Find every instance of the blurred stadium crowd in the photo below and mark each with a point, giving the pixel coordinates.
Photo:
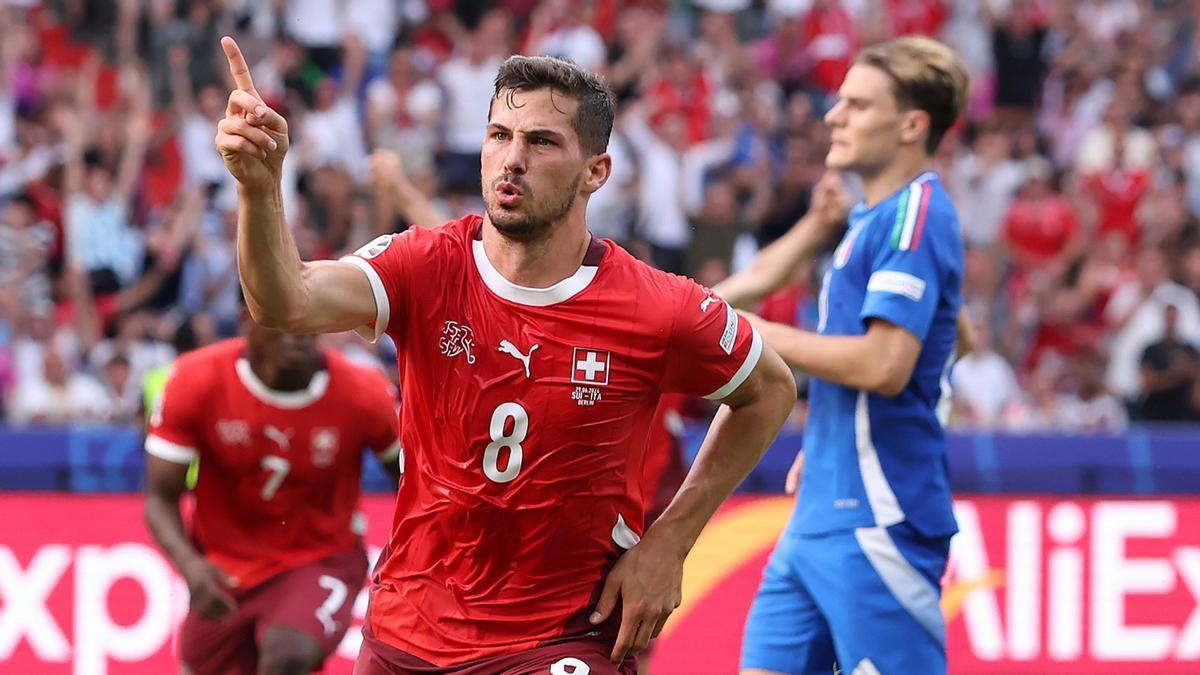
(1076, 173)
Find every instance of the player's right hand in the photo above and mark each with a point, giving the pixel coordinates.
(385, 170)
(831, 203)
(209, 590)
(252, 138)
(794, 474)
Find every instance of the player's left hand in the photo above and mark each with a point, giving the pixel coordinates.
(648, 579)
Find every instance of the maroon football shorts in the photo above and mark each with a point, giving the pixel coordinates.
(315, 599)
(581, 656)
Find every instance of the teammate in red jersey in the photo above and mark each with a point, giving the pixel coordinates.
(531, 357)
(275, 558)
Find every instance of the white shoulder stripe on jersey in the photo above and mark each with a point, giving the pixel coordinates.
(744, 371)
(390, 453)
(884, 505)
(382, 308)
(907, 585)
(171, 452)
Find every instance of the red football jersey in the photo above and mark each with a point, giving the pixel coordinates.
(524, 426)
(280, 471)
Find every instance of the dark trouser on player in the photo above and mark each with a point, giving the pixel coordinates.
(286, 625)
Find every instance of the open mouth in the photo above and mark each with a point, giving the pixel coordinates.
(508, 194)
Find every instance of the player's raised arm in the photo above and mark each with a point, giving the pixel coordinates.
(775, 264)
(281, 291)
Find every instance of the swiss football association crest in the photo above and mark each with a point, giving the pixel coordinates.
(233, 432)
(324, 444)
(457, 338)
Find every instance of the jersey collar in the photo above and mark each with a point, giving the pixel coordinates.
(861, 209)
(282, 399)
(537, 297)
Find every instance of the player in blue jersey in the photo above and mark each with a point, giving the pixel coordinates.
(855, 577)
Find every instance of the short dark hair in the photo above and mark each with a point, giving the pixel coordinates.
(926, 75)
(593, 119)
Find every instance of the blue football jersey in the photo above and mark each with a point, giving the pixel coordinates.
(873, 460)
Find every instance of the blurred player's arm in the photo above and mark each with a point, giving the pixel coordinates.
(166, 482)
(394, 194)
(881, 361)
(281, 291)
(647, 578)
(384, 418)
(776, 263)
(965, 343)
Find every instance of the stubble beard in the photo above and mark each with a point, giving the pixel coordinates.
(534, 224)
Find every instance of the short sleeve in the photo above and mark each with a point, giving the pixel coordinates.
(175, 432)
(903, 284)
(391, 262)
(712, 349)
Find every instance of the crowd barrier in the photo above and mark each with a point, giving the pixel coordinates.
(1044, 585)
(1144, 461)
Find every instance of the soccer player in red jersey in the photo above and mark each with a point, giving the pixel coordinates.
(275, 557)
(531, 356)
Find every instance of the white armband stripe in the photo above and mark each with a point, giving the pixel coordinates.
(382, 307)
(744, 371)
(169, 450)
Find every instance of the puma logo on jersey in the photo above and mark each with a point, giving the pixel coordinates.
(280, 438)
(706, 302)
(511, 349)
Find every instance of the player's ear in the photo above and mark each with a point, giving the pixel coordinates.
(599, 168)
(914, 126)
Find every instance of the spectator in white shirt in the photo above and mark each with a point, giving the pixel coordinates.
(1088, 407)
(124, 394)
(558, 28)
(194, 115)
(1135, 313)
(468, 79)
(403, 110)
(57, 395)
(983, 182)
(100, 238)
(985, 386)
(662, 218)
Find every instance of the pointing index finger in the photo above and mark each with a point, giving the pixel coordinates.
(238, 67)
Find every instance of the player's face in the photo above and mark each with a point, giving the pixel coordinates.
(532, 165)
(865, 124)
(282, 351)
